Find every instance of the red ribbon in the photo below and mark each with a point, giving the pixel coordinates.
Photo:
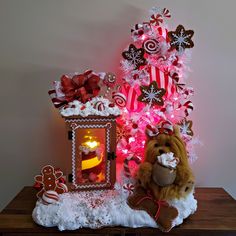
(81, 87)
(158, 203)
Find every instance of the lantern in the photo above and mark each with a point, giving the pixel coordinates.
(90, 103)
(93, 151)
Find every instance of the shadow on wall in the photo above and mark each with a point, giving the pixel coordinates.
(34, 132)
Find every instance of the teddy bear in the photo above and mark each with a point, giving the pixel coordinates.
(164, 175)
(163, 139)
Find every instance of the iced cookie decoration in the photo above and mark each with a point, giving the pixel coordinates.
(49, 179)
(160, 211)
(180, 39)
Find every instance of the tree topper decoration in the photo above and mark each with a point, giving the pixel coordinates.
(152, 94)
(181, 38)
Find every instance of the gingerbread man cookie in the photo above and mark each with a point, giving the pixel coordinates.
(49, 180)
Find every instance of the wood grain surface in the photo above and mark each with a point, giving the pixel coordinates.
(216, 215)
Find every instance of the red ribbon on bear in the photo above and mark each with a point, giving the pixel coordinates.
(158, 203)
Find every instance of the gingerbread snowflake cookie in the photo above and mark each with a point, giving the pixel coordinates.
(186, 127)
(152, 94)
(181, 38)
(135, 56)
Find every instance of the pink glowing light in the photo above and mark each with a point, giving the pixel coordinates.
(143, 37)
(131, 139)
(125, 151)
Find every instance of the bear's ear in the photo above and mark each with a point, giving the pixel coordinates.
(151, 132)
(177, 131)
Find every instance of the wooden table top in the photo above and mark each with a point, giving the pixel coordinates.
(216, 215)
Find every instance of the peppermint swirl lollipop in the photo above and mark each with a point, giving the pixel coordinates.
(119, 99)
(151, 46)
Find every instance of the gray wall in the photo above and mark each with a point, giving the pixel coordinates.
(40, 40)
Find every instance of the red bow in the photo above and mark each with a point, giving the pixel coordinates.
(164, 127)
(158, 203)
(81, 87)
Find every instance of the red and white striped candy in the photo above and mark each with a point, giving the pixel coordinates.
(50, 197)
(163, 80)
(163, 32)
(63, 186)
(151, 130)
(188, 107)
(127, 171)
(165, 127)
(128, 188)
(99, 106)
(140, 29)
(166, 13)
(57, 102)
(132, 94)
(156, 19)
(119, 99)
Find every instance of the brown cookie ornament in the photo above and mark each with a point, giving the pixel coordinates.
(181, 38)
(151, 94)
(135, 56)
(49, 180)
(185, 127)
(160, 211)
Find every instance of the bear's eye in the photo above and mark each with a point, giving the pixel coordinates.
(167, 144)
(156, 145)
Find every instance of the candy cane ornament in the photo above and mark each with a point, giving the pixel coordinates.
(127, 171)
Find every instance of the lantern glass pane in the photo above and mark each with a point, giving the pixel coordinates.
(91, 156)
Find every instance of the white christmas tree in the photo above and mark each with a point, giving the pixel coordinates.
(155, 70)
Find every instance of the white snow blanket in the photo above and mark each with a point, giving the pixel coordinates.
(104, 208)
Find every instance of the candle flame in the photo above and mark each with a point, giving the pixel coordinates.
(91, 144)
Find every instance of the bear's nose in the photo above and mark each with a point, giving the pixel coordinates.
(161, 151)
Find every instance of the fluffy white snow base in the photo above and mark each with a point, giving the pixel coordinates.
(102, 208)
